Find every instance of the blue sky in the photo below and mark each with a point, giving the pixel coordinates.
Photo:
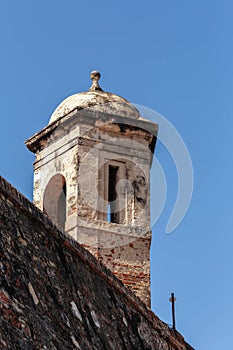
(174, 57)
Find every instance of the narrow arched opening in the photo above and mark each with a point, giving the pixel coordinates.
(54, 201)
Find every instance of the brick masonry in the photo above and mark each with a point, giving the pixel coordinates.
(54, 294)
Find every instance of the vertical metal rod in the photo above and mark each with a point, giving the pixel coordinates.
(173, 312)
(173, 299)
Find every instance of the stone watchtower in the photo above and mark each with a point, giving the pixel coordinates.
(92, 178)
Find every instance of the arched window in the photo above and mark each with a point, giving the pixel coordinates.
(54, 202)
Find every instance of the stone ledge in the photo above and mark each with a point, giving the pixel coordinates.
(94, 119)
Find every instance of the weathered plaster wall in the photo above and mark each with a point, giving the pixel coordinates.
(55, 295)
(82, 150)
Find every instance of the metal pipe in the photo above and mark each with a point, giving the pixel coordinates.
(172, 300)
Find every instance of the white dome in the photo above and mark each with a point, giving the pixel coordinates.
(97, 100)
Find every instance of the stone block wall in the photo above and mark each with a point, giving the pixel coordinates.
(55, 295)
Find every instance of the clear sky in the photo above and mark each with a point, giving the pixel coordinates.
(174, 56)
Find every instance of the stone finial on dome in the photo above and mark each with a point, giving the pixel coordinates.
(95, 77)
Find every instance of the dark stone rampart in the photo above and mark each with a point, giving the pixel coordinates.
(55, 295)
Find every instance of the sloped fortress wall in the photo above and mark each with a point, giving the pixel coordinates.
(55, 295)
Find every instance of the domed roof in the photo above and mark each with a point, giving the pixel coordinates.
(97, 100)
